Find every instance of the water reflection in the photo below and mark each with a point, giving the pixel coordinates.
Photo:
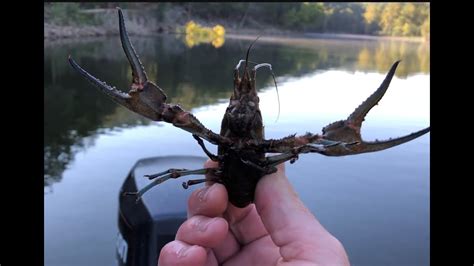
(338, 93)
(381, 58)
(75, 113)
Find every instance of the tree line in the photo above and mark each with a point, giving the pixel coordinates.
(385, 19)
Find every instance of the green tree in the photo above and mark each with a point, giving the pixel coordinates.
(345, 17)
(305, 16)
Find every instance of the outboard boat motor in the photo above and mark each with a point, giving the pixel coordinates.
(145, 226)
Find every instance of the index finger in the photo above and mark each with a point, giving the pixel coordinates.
(245, 223)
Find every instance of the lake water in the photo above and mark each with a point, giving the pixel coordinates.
(377, 204)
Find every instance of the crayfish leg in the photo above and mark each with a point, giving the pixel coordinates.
(211, 156)
(168, 174)
(193, 182)
(267, 169)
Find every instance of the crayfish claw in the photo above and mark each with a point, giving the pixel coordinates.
(116, 95)
(357, 117)
(146, 98)
(138, 71)
(371, 146)
(348, 131)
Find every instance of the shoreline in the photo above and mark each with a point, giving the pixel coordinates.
(54, 33)
(303, 38)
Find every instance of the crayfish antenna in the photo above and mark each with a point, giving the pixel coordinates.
(248, 51)
(278, 95)
(274, 80)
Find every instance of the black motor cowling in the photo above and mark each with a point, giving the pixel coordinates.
(145, 226)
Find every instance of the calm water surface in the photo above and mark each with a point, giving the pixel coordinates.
(377, 204)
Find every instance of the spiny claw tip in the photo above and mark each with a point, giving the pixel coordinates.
(70, 60)
(119, 10)
(397, 63)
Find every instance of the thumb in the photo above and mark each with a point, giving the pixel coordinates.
(290, 224)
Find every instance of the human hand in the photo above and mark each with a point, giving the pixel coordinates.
(277, 230)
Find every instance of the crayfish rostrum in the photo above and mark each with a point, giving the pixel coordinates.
(242, 146)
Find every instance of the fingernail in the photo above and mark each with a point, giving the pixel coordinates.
(201, 225)
(182, 252)
(202, 194)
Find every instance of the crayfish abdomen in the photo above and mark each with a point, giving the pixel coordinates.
(239, 177)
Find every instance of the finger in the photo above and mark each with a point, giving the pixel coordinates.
(180, 253)
(216, 201)
(245, 226)
(291, 225)
(211, 164)
(228, 248)
(261, 252)
(210, 176)
(203, 231)
(245, 223)
(209, 201)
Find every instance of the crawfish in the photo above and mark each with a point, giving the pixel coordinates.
(242, 148)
